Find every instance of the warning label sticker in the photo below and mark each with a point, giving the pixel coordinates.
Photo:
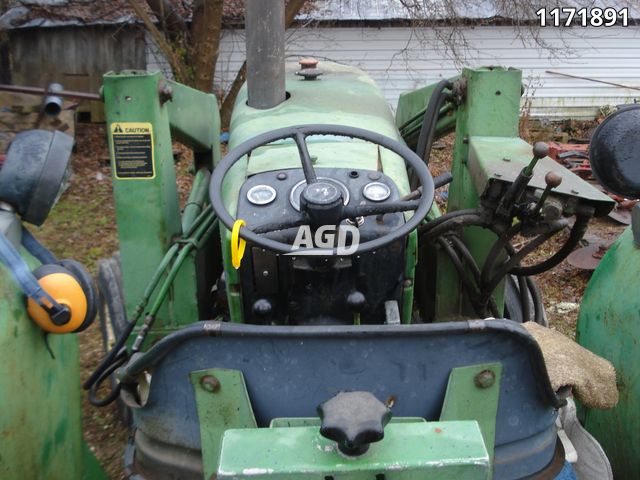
(133, 150)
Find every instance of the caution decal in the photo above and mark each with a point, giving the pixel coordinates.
(132, 147)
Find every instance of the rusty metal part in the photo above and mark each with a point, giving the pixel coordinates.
(165, 93)
(622, 211)
(308, 62)
(588, 258)
(44, 91)
(484, 379)
(210, 383)
(621, 215)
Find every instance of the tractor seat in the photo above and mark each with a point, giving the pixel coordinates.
(289, 371)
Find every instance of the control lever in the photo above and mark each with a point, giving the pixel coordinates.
(516, 189)
(353, 420)
(356, 302)
(553, 180)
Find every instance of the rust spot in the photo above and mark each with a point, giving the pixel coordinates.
(438, 430)
(308, 63)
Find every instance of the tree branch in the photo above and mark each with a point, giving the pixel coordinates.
(179, 70)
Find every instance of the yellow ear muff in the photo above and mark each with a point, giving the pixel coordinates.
(66, 290)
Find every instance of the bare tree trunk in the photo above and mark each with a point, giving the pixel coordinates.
(292, 9)
(206, 30)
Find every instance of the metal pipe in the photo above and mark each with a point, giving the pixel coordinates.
(44, 91)
(53, 101)
(264, 31)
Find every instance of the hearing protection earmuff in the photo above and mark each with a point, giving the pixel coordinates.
(61, 297)
(60, 294)
(70, 285)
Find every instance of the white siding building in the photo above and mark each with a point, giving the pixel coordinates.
(377, 37)
(398, 61)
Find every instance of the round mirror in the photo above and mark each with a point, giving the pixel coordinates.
(614, 152)
(34, 171)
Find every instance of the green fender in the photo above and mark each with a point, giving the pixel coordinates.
(609, 325)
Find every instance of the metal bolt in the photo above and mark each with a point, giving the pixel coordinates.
(407, 283)
(484, 379)
(166, 93)
(505, 159)
(498, 175)
(281, 176)
(575, 192)
(210, 383)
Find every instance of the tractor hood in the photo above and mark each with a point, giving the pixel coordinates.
(342, 95)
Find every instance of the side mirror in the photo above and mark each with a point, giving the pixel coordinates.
(33, 172)
(615, 152)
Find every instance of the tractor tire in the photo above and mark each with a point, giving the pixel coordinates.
(112, 315)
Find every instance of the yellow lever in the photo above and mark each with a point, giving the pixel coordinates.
(238, 244)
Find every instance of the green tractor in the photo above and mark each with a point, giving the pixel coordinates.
(310, 312)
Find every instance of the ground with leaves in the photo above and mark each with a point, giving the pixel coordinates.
(82, 226)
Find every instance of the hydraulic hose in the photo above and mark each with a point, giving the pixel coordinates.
(459, 255)
(577, 232)
(458, 265)
(121, 341)
(430, 120)
(433, 228)
(524, 298)
(199, 230)
(508, 266)
(536, 297)
(197, 198)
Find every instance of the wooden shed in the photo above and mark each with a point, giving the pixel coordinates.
(73, 43)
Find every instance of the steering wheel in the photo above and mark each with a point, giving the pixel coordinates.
(321, 203)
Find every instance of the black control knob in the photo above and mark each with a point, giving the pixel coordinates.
(262, 307)
(323, 203)
(353, 420)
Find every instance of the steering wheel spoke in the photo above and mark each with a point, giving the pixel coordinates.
(305, 158)
(277, 226)
(381, 208)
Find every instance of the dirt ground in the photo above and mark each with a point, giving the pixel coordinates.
(82, 226)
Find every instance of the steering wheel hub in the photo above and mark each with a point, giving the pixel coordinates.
(322, 202)
(321, 194)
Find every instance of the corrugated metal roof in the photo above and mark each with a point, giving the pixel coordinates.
(50, 13)
(57, 13)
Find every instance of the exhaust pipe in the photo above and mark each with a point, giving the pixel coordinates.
(53, 103)
(264, 32)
